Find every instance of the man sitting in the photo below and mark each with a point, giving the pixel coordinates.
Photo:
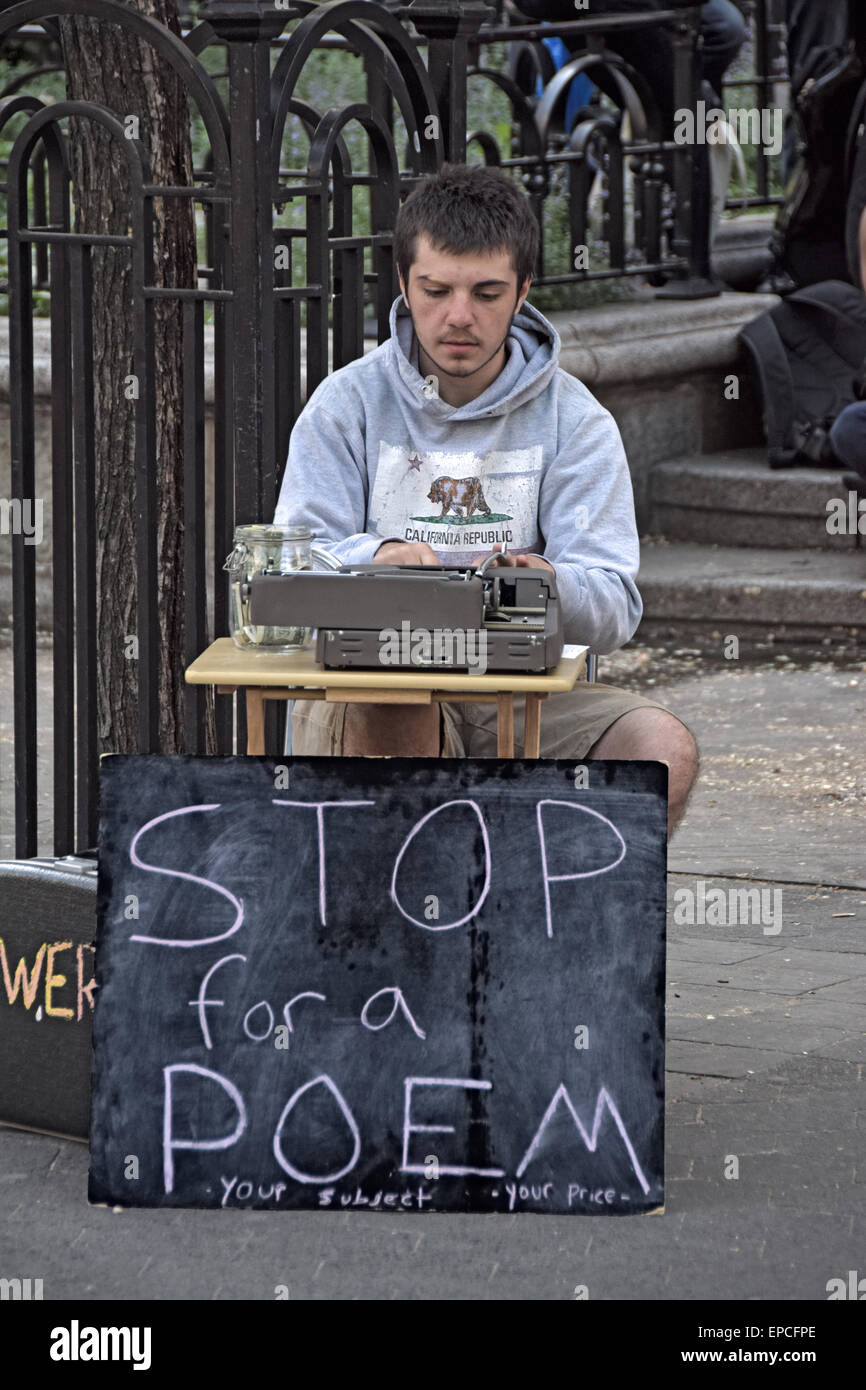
(468, 387)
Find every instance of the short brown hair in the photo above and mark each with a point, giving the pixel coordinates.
(468, 208)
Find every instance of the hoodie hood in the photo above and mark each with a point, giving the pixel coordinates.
(532, 348)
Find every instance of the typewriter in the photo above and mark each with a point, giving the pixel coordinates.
(417, 617)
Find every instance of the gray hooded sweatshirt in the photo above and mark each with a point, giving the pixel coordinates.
(534, 460)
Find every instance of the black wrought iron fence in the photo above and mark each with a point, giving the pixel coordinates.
(297, 201)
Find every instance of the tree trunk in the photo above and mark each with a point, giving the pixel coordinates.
(107, 65)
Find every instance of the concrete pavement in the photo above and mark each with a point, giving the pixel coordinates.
(766, 1120)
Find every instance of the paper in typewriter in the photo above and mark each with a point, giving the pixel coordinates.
(459, 503)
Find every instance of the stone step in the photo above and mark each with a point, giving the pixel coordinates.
(735, 498)
(802, 594)
(659, 366)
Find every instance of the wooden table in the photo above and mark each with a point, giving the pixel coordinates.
(297, 676)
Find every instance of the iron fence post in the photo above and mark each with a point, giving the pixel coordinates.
(247, 27)
(449, 29)
(691, 238)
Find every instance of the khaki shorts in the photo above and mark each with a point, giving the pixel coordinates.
(571, 723)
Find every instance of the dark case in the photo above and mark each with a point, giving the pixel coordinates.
(48, 922)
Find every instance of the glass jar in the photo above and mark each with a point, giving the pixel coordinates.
(257, 549)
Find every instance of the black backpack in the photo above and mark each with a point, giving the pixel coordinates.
(809, 353)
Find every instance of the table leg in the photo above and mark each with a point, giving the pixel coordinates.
(532, 727)
(255, 720)
(505, 725)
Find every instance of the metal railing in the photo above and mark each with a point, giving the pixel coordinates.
(280, 322)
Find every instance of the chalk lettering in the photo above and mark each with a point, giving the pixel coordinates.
(444, 926)
(588, 873)
(190, 878)
(603, 1102)
(284, 1163)
(398, 1003)
(228, 1189)
(410, 1128)
(583, 1194)
(27, 984)
(202, 1002)
(319, 808)
(258, 1037)
(169, 1142)
(272, 1192)
(537, 1192)
(287, 1008)
(85, 991)
(53, 981)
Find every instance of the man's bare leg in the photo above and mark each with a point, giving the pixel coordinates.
(654, 735)
(396, 731)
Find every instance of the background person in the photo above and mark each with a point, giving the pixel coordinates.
(650, 49)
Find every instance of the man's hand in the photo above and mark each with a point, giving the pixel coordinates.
(420, 553)
(406, 553)
(521, 561)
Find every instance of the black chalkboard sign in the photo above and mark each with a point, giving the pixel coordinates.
(380, 984)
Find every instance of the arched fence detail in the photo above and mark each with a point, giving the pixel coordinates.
(296, 277)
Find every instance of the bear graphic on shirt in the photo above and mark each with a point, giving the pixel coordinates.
(453, 493)
(460, 503)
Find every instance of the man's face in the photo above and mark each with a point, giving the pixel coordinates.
(462, 307)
